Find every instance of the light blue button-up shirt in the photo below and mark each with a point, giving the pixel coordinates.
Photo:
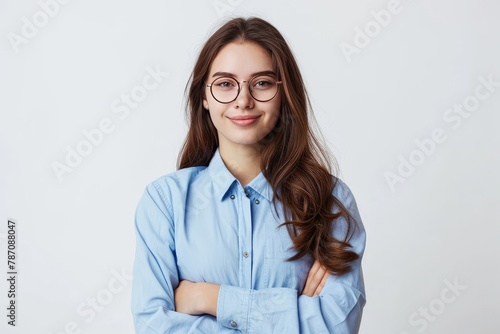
(200, 224)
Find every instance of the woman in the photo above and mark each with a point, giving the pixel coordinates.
(252, 234)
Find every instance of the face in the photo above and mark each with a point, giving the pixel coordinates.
(245, 120)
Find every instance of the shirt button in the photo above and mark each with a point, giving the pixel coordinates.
(245, 254)
(234, 324)
(232, 196)
(257, 202)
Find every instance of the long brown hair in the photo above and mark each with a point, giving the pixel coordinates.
(292, 159)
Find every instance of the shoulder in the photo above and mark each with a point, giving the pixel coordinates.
(342, 192)
(156, 207)
(180, 179)
(344, 195)
(166, 188)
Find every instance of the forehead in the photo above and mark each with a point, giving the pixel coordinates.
(241, 59)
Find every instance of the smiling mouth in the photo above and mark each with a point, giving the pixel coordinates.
(243, 120)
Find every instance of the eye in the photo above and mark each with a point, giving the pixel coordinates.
(263, 82)
(225, 84)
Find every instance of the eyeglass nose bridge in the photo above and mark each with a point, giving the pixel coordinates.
(240, 84)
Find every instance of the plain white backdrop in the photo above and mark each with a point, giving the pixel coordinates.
(400, 91)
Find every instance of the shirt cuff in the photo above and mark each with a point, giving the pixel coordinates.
(233, 307)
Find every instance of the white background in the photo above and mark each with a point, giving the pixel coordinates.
(76, 234)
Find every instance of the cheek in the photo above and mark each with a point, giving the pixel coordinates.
(216, 115)
(271, 125)
(213, 117)
(273, 119)
(274, 115)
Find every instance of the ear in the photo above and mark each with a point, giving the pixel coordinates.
(205, 104)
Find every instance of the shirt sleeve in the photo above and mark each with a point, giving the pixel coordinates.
(155, 274)
(338, 308)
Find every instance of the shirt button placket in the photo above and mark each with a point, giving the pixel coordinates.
(246, 244)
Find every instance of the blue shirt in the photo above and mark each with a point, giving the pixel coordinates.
(200, 224)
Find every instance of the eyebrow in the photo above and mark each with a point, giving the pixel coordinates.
(228, 74)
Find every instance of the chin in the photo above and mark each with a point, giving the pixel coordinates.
(246, 141)
(253, 139)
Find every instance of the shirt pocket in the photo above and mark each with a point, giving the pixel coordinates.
(280, 272)
(279, 245)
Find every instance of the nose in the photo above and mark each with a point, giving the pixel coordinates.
(244, 99)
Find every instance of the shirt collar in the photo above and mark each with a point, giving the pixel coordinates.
(260, 185)
(222, 179)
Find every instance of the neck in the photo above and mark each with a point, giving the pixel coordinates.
(243, 161)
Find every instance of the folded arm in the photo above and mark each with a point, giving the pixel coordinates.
(328, 304)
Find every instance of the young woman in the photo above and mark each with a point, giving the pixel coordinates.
(252, 234)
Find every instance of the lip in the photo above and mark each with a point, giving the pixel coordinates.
(243, 120)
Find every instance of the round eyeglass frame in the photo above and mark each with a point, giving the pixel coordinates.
(239, 89)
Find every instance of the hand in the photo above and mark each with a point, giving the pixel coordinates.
(316, 280)
(196, 298)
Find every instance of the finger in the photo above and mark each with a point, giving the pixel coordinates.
(322, 284)
(314, 279)
(310, 274)
(308, 289)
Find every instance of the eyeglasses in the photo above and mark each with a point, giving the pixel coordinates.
(262, 88)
